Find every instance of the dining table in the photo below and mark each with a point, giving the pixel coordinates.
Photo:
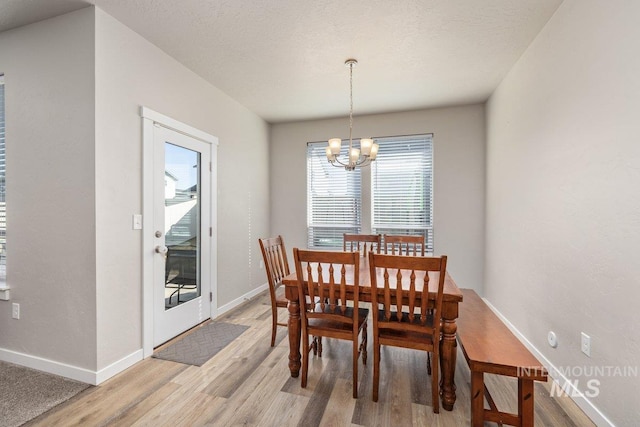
(452, 297)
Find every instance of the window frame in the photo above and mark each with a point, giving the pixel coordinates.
(367, 223)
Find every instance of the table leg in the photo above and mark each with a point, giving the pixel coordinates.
(294, 338)
(448, 355)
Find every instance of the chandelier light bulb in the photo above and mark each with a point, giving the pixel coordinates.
(374, 152)
(334, 145)
(365, 146)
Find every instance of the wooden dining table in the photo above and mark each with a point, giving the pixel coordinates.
(448, 346)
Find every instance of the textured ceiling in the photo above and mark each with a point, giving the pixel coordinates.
(283, 59)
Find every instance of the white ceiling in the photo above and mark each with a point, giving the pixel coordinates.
(283, 59)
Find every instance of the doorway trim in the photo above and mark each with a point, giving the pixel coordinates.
(149, 119)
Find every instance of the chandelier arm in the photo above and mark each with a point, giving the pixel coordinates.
(336, 160)
(364, 161)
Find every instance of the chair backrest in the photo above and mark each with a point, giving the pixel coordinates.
(275, 261)
(403, 245)
(395, 283)
(322, 279)
(363, 243)
(180, 266)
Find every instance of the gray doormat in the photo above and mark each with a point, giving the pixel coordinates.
(26, 393)
(202, 344)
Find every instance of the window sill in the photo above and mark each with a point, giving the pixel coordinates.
(4, 293)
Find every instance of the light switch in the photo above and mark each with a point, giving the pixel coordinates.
(137, 222)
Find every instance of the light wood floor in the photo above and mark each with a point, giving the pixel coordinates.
(248, 384)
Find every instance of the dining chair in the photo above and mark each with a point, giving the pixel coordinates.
(322, 286)
(363, 243)
(180, 272)
(403, 244)
(397, 320)
(275, 262)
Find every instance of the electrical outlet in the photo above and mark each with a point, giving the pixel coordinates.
(585, 344)
(15, 312)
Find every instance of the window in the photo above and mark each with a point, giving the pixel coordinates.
(3, 210)
(401, 193)
(334, 201)
(402, 187)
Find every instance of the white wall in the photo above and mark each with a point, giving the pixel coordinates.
(49, 76)
(131, 72)
(459, 144)
(74, 87)
(563, 205)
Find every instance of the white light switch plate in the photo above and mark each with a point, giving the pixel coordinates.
(585, 344)
(137, 222)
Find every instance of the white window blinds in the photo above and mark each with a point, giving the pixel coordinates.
(334, 202)
(402, 187)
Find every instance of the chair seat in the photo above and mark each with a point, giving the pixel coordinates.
(402, 337)
(281, 300)
(333, 325)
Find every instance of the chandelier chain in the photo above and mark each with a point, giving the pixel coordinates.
(350, 104)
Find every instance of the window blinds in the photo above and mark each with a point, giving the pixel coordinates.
(402, 187)
(334, 201)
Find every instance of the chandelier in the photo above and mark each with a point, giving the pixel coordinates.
(357, 157)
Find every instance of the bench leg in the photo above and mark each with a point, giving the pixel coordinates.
(525, 402)
(477, 399)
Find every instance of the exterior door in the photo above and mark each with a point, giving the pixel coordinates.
(182, 233)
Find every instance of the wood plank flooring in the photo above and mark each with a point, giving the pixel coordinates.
(248, 384)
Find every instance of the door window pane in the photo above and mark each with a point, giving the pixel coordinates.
(182, 224)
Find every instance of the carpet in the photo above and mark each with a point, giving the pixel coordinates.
(26, 393)
(202, 344)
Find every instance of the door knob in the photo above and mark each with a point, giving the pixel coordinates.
(162, 250)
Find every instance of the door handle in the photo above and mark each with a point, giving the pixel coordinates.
(162, 250)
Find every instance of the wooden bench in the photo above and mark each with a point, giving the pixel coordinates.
(490, 347)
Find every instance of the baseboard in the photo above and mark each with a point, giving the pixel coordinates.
(69, 371)
(556, 375)
(236, 302)
(118, 366)
(46, 365)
